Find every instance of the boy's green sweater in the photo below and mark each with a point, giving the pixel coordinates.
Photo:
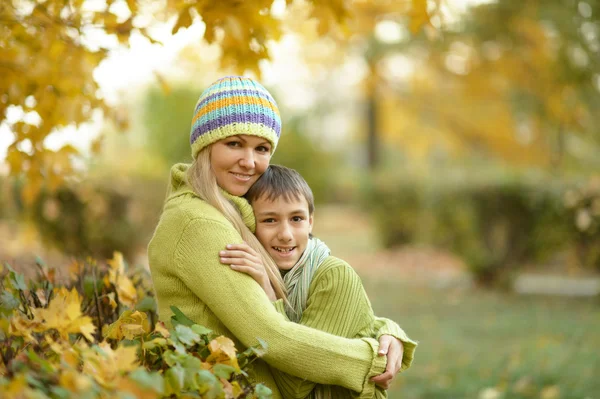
(338, 304)
(185, 267)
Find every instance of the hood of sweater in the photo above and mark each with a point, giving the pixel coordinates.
(179, 186)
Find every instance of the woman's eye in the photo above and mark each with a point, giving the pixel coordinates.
(270, 220)
(263, 148)
(233, 143)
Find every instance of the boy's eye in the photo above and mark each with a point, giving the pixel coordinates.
(297, 218)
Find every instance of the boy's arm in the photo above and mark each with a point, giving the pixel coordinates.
(338, 305)
(385, 326)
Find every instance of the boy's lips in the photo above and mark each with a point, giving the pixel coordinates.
(284, 252)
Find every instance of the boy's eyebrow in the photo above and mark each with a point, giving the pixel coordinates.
(271, 213)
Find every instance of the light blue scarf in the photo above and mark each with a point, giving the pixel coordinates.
(297, 280)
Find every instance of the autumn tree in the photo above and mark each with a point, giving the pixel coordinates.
(51, 48)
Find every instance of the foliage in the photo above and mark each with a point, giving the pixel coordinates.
(495, 223)
(100, 215)
(318, 166)
(583, 204)
(516, 81)
(167, 118)
(96, 335)
(51, 48)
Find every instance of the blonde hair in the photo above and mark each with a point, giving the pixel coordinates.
(204, 183)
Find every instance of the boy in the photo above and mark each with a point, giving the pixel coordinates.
(324, 292)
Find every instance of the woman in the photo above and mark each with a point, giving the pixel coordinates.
(235, 130)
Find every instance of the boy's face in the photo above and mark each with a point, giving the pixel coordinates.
(283, 228)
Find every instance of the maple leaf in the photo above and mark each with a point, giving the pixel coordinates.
(116, 276)
(64, 315)
(222, 350)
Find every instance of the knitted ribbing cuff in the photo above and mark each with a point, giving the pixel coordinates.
(377, 368)
(387, 327)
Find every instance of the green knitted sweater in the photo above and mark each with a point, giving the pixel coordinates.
(185, 267)
(338, 304)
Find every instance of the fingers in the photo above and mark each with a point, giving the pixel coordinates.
(384, 344)
(383, 380)
(394, 358)
(242, 247)
(237, 254)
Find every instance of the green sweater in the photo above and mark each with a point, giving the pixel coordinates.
(186, 271)
(338, 304)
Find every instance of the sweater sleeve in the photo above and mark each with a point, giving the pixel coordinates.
(337, 304)
(385, 326)
(243, 307)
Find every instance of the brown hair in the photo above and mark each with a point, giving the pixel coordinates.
(279, 181)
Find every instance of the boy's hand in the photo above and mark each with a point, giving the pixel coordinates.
(394, 349)
(242, 258)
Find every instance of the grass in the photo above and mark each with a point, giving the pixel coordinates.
(473, 343)
(476, 344)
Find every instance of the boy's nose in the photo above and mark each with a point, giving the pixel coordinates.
(285, 234)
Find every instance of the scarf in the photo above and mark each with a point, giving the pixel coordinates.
(297, 280)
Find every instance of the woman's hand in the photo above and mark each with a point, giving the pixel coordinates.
(242, 258)
(394, 349)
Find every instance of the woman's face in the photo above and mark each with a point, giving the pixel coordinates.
(238, 161)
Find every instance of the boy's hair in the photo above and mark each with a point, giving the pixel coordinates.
(279, 181)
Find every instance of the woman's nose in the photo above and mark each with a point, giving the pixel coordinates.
(247, 160)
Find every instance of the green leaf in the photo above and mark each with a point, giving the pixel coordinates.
(17, 281)
(174, 358)
(59, 392)
(149, 380)
(174, 378)
(148, 304)
(8, 301)
(186, 335)
(209, 386)
(156, 342)
(223, 370)
(262, 392)
(180, 318)
(200, 330)
(191, 365)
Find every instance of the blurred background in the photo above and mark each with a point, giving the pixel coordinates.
(452, 145)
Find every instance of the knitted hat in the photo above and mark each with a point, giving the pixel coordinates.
(234, 105)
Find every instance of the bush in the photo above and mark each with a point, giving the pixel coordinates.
(99, 216)
(96, 335)
(494, 224)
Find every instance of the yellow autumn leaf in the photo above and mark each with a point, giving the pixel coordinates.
(116, 275)
(105, 364)
(222, 350)
(130, 324)
(161, 329)
(74, 381)
(64, 314)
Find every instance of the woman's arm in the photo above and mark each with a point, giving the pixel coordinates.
(242, 306)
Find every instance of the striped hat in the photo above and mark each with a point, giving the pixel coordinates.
(234, 105)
